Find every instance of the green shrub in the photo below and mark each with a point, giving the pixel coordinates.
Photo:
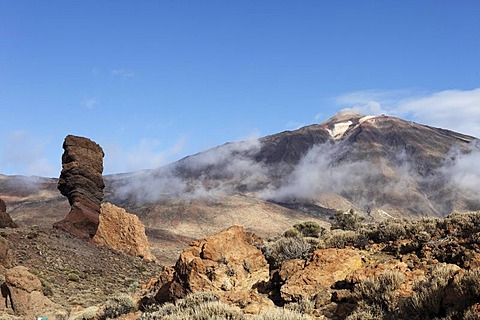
(309, 229)
(290, 233)
(349, 220)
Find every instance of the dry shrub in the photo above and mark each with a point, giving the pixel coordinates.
(196, 306)
(378, 292)
(367, 312)
(117, 306)
(281, 314)
(426, 301)
(304, 306)
(340, 239)
(286, 249)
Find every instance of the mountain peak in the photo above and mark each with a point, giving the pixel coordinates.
(344, 120)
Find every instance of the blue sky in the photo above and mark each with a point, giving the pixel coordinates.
(153, 81)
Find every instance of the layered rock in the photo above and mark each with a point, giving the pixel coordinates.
(5, 219)
(122, 231)
(226, 263)
(82, 183)
(303, 280)
(27, 296)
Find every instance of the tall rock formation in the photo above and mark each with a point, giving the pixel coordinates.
(5, 219)
(82, 183)
(122, 231)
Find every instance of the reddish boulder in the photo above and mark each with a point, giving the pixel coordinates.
(326, 267)
(122, 231)
(27, 296)
(5, 219)
(82, 183)
(226, 263)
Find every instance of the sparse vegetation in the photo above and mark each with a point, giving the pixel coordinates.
(196, 306)
(309, 229)
(117, 306)
(286, 249)
(377, 293)
(349, 220)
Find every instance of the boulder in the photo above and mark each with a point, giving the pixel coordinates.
(5, 219)
(27, 296)
(303, 280)
(122, 231)
(82, 183)
(226, 263)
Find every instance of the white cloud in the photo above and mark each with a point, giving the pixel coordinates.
(123, 73)
(457, 110)
(22, 153)
(148, 154)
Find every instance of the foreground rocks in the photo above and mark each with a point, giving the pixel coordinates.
(5, 219)
(122, 231)
(325, 267)
(226, 263)
(28, 299)
(82, 183)
(426, 269)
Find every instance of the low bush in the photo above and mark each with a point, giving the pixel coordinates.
(286, 249)
(281, 314)
(349, 220)
(195, 306)
(117, 306)
(378, 292)
(309, 229)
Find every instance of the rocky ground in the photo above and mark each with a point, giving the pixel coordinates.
(75, 272)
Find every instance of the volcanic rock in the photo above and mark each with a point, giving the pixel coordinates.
(82, 183)
(27, 296)
(122, 231)
(5, 219)
(325, 267)
(226, 263)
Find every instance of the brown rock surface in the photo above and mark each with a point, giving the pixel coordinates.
(326, 266)
(122, 231)
(82, 183)
(27, 295)
(5, 219)
(226, 263)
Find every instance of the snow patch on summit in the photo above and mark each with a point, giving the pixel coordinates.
(339, 129)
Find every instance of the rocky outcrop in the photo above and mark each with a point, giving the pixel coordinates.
(226, 263)
(325, 267)
(122, 231)
(82, 183)
(27, 296)
(6, 255)
(5, 219)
